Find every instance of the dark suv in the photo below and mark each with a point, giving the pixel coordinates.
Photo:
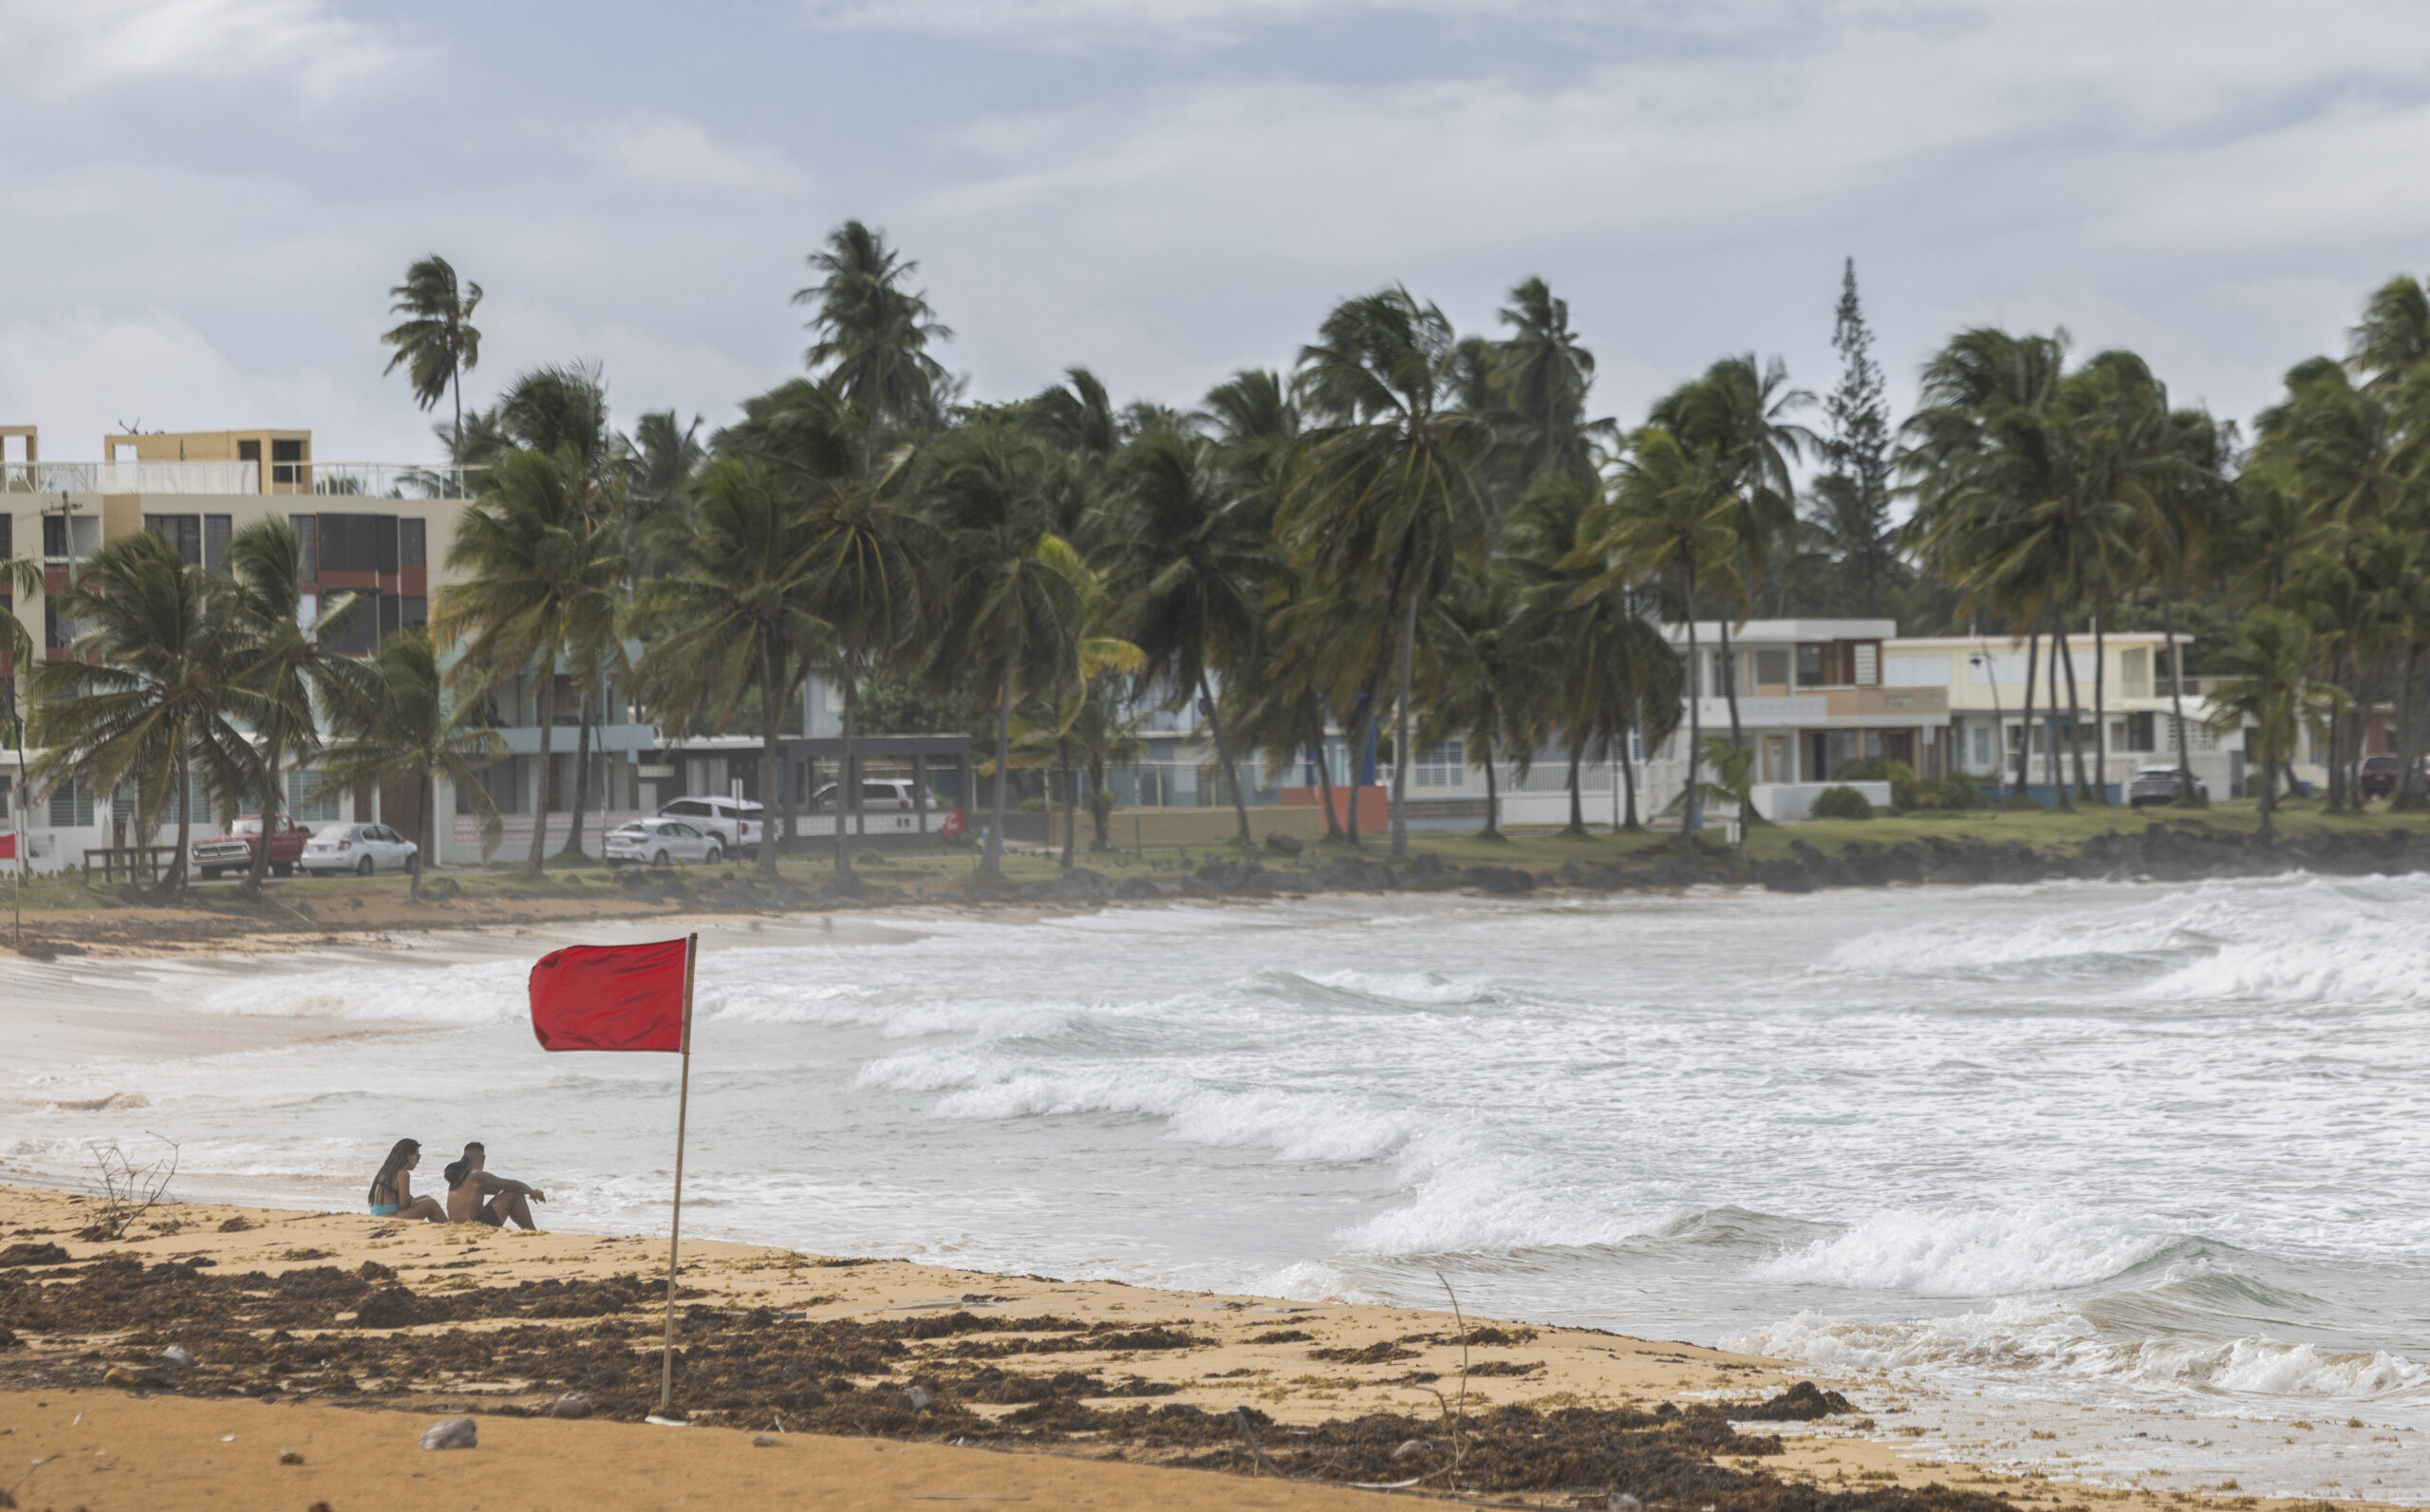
(2158, 785)
(2376, 778)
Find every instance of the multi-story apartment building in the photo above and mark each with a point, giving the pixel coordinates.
(381, 530)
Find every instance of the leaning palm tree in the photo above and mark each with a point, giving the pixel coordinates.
(151, 698)
(873, 332)
(1092, 659)
(542, 580)
(1389, 502)
(1192, 565)
(436, 340)
(734, 619)
(398, 720)
(1670, 518)
(2271, 693)
(1496, 677)
(1734, 771)
(287, 665)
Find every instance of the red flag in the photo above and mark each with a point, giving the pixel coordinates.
(609, 997)
(8, 846)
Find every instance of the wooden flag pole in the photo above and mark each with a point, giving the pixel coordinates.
(675, 1231)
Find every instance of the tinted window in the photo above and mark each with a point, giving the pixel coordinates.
(686, 805)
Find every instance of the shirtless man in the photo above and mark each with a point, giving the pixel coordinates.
(468, 1184)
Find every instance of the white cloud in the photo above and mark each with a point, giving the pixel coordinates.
(64, 48)
(664, 150)
(1067, 24)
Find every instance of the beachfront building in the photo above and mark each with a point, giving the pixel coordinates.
(377, 529)
(2132, 683)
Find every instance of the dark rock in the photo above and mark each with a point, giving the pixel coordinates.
(1134, 888)
(1283, 845)
(1502, 881)
(573, 1404)
(290, 1457)
(1802, 1403)
(1079, 884)
(1220, 878)
(1352, 874)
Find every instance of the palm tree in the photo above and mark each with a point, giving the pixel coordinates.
(543, 583)
(863, 576)
(735, 616)
(285, 663)
(2393, 339)
(397, 720)
(1544, 374)
(1495, 676)
(152, 695)
(2269, 692)
(873, 333)
(995, 495)
(1736, 414)
(1670, 518)
(1094, 659)
(1192, 565)
(436, 342)
(20, 579)
(1389, 504)
(1734, 769)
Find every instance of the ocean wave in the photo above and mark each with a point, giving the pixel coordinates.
(1971, 1252)
(1295, 1125)
(2023, 1335)
(1424, 989)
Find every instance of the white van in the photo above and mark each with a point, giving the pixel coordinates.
(739, 824)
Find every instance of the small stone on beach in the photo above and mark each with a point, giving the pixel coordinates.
(290, 1456)
(763, 1441)
(176, 1355)
(573, 1404)
(455, 1433)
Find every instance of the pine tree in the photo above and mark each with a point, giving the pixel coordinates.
(1854, 498)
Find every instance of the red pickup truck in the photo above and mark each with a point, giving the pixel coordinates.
(234, 851)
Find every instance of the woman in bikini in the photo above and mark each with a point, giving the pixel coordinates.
(392, 1191)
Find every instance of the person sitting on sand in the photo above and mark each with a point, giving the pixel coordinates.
(468, 1184)
(392, 1191)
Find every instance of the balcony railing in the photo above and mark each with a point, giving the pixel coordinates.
(344, 480)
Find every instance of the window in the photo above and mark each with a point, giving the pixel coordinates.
(7, 535)
(307, 802)
(412, 534)
(413, 612)
(1809, 667)
(306, 539)
(1771, 669)
(71, 805)
(687, 806)
(7, 792)
(215, 543)
(1445, 766)
(183, 532)
(285, 458)
(1868, 665)
(1982, 735)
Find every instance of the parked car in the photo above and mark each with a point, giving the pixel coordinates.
(662, 843)
(234, 851)
(2376, 778)
(736, 823)
(362, 849)
(896, 794)
(2158, 785)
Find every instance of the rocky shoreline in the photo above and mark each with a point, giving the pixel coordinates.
(2155, 853)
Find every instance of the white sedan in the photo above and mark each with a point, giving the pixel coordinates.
(662, 843)
(362, 849)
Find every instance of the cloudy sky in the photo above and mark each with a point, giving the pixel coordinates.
(207, 200)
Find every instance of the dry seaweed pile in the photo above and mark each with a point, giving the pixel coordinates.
(322, 1332)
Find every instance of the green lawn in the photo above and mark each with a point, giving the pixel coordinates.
(955, 873)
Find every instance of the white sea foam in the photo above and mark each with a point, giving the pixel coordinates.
(1970, 1252)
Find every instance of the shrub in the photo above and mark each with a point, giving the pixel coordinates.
(1959, 789)
(1840, 802)
(1904, 789)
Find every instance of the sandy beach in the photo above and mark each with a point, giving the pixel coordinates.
(338, 1338)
